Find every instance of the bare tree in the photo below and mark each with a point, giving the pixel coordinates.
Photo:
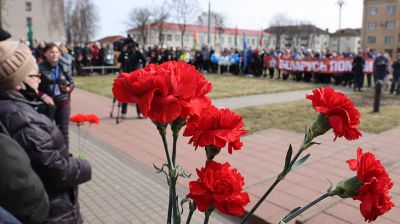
(140, 18)
(216, 20)
(184, 10)
(56, 8)
(161, 15)
(80, 20)
(279, 26)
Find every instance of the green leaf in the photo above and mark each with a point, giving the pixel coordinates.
(308, 145)
(290, 213)
(288, 159)
(183, 201)
(181, 172)
(300, 162)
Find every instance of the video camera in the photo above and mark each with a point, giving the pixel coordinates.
(128, 41)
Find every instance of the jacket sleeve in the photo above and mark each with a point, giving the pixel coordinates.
(50, 158)
(22, 192)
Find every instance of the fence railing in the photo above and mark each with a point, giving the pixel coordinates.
(103, 69)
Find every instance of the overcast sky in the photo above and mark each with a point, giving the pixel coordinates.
(245, 14)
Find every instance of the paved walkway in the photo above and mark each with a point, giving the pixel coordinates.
(136, 146)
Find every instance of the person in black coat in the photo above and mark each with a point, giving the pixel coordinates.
(41, 139)
(358, 70)
(131, 59)
(21, 191)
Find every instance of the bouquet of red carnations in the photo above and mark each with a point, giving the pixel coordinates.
(174, 94)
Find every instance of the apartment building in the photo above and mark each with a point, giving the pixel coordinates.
(46, 17)
(381, 26)
(345, 40)
(299, 36)
(219, 38)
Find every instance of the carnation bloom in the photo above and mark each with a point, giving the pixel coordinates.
(92, 119)
(216, 127)
(343, 117)
(78, 118)
(219, 186)
(374, 194)
(164, 92)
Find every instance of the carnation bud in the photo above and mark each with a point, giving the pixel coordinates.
(212, 151)
(346, 188)
(177, 124)
(319, 127)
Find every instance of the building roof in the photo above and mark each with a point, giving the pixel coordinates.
(296, 28)
(204, 29)
(348, 32)
(110, 39)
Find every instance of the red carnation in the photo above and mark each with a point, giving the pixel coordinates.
(92, 119)
(374, 194)
(216, 127)
(78, 118)
(219, 186)
(163, 92)
(343, 117)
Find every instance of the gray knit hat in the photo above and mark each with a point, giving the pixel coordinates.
(16, 63)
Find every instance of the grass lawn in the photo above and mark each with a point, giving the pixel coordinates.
(296, 115)
(223, 86)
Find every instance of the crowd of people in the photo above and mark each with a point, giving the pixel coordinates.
(252, 62)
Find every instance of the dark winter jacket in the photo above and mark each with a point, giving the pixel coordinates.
(49, 82)
(131, 60)
(21, 191)
(358, 65)
(44, 143)
(380, 68)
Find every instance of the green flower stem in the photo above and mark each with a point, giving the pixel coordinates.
(295, 214)
(172, 179)
(206, 218)
(163, 133)
(175, 213)
(207, 214)
(189, 218)
(175, 135)
(79, 139)
(169, 208)
(85, 138)
(278, 179)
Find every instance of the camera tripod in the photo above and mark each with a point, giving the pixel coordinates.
(118, 118)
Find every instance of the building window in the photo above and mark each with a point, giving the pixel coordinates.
(371, 25)
(169, 37)
(390, 9)
(222, 40)
(253, 41)
(177, 37)
(229, 40)
(28, 21)
(388, 39)
(373, 10)
(371, 39)
(28, 6)
(186, 38)
(390, 25)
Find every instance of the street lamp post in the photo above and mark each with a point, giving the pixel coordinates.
(340, 3)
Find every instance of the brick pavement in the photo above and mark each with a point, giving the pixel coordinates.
(259, 161)
(123, 191)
